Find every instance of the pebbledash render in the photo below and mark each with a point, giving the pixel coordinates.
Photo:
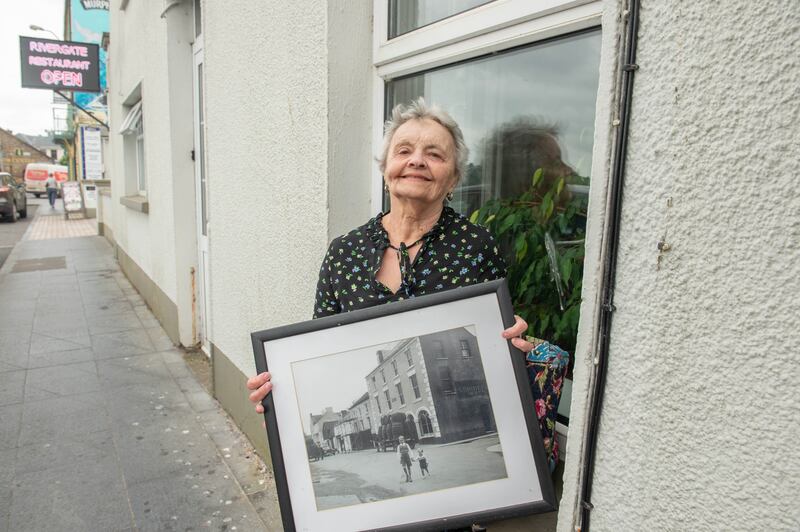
(699, 418)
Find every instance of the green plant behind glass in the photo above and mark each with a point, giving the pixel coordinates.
(546, 291)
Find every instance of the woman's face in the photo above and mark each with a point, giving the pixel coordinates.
(421, 162)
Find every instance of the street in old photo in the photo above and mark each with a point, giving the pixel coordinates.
(356, 477)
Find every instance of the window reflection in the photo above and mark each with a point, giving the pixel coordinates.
(408, 15)
(528, 108)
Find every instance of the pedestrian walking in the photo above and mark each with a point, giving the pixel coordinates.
(404, 452)
(423, 463)
(52, 190)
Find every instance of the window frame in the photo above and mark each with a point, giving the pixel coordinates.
(141, 161)
(490, 28)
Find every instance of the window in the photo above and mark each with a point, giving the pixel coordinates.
(400, 394)
(438, 349)
(408, 15)
(512, 70)
(378, 402)
(409, 359)
(383, 376)
(415, 386)
(394, 366)
(517, 115)
(374, 384)
(133, 127)
(465, 352)
(425, 425)
(388, 399)
(198, 18)
(446, 379)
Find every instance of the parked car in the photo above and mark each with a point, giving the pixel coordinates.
(13, 201)
(37, 173)
(314, 451)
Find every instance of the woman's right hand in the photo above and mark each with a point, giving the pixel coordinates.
(261, 385)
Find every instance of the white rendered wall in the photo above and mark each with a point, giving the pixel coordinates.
(270, 133)
(701, 415)
(138, 54)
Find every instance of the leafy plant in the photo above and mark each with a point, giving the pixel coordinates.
(541, 233)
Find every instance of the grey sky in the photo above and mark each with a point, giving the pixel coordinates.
(25, 110)
(334, 380)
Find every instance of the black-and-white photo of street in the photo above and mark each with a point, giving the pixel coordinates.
(397, 419)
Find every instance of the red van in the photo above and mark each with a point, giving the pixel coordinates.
(37, 173)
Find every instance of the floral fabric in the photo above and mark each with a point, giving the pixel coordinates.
(547, 366)
(454, 253)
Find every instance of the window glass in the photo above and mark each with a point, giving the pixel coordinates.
(408, 15)
(465, 352)
(519, 110)
(400, 394)
(378, 402)
(140, 167)
(198, 18)
(415, 386)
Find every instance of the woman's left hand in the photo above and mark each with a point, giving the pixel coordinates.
(515, 332)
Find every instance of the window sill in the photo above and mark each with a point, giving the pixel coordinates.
(136, 203)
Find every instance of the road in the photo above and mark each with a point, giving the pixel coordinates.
(367, 476)
(11, 233)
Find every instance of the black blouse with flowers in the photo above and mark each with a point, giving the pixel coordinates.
(454, 253)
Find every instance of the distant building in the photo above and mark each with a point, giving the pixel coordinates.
(16, 153)
(437, 381)
(354, 432)
(322, 427)
(45, 144)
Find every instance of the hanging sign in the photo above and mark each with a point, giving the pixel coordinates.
(59, 65)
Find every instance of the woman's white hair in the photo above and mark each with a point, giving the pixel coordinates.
(419, 110)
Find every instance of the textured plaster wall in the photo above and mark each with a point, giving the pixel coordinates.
(267, 141)
(138, 54)
(350, 157)
(701, 414)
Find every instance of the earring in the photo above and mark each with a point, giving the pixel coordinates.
(449, 196)
(385, 187)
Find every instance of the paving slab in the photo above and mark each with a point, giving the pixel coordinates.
(103, 425)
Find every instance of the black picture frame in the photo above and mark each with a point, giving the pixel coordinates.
(441, 299)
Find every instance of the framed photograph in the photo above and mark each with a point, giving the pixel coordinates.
(413, 415)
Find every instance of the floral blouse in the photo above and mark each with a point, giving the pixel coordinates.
(455, 252)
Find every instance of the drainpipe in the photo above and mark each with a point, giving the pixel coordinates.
(626, 72)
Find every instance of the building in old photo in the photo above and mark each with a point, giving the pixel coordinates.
(437, 381)
(322, 427)
(354, 432)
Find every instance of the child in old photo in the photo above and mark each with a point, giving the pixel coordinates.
(423, 463)
(404, 452)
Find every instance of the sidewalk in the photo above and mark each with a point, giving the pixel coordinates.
(102, 424)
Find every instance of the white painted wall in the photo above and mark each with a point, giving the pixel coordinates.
(288, 117)
(151, 47)
(701, 414)
(138, 54)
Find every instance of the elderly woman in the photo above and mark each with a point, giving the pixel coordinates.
(422, 246)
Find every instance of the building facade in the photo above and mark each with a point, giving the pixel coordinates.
(437, 382)
(354, 432)
(16, 154)
(255, 147)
